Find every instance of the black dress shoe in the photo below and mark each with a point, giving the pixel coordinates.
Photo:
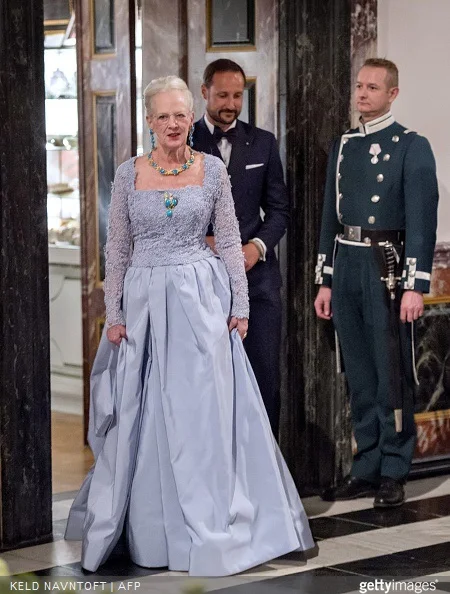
(390, 494)
(351, 488)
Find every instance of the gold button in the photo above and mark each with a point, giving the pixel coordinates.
(386, 157)
(339, 176)
(341, 158)
(371, 220)
(412, 260)
(380, 177)
(340, 216)
(367, 240)
(344, 141)
(341, 196)
(395, 138)
(375, 198)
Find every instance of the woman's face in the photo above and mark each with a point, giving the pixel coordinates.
(170, 119)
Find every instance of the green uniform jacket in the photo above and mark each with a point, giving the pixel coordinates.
(382, 176)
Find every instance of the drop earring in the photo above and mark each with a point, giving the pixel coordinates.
(152, 139)
(191, 136)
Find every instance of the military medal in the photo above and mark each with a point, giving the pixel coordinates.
(375, 150)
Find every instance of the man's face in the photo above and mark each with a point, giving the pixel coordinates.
(373, 97)
(224, 98)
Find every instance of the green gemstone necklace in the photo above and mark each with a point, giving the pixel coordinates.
(177, 171)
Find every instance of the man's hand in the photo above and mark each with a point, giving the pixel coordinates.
(322, 304)
(116, 333)
(411, 306)
(241, 324)
(251, 255)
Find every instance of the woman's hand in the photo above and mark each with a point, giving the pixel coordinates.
(211, 241)
(116, 333)
(241, 324)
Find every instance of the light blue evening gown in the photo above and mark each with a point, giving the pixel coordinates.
(185, 461)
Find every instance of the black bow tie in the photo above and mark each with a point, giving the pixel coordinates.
(230, 135)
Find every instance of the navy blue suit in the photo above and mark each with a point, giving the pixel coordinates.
(253, 189)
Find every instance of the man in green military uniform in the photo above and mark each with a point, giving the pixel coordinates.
(375, 256)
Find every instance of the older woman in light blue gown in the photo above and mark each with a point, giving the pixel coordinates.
(185, 461)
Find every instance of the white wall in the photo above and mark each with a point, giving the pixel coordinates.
(415, 35)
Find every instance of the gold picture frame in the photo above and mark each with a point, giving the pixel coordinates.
(230, 43)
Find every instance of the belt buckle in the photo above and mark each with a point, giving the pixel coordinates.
(354, 233)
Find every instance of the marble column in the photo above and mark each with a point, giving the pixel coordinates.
(25, 460)
(363, 39)
(315, 85)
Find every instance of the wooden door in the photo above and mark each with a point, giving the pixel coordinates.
(107, 124)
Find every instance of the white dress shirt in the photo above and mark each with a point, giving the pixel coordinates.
(223, 145)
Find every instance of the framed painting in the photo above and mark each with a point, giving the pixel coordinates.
(230, 25)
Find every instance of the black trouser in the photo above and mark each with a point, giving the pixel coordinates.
(361, 318)
(263, 349)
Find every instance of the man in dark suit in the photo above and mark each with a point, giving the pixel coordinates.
(254, 166)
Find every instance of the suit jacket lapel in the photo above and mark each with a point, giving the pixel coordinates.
(203, 139)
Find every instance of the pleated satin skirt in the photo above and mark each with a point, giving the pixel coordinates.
(185, 461)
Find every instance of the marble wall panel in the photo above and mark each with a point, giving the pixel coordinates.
(261, 63)
(433, 358)
(433, 364)
(230, 23)
(363, 40)
(104, 16)
(100, 75)
(105, 117)
(164, 49)
(433, 393)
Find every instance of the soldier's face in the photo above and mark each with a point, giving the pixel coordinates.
(373, 96)
(224, 97)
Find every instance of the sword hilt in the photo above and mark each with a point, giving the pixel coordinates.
(390, 279)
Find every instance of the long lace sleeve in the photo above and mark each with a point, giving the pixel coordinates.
(118, 247)
(229, 245)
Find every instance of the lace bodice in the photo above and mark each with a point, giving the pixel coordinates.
(141, 234)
